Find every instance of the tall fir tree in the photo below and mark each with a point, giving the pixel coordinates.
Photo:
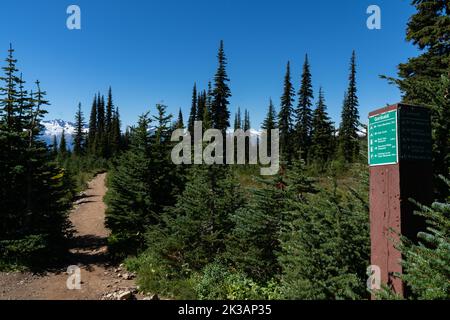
(220, 114)
(33, 196)
(422, 79)
(63, 145)
(101, 127)
(179, 124)
(9, 107)
(109, 123)
(93, 127)
(237, 119)
(303, 113)
(322, 146)
(269, 124)
(201, 104)
(349, 128)
(54, 147)
(79, 138)
(116, 136)
(193, 112)
(427, 29)
(285, 115)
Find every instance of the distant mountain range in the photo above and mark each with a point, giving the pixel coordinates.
(55, 128)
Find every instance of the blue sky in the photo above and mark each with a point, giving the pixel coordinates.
(153, 51)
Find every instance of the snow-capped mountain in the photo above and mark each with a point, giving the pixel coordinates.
(55, 128)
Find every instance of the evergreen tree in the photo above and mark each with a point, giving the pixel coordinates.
(93, 127)
(54, 147)
(63, 145)
(193, 231)
(325, 245)
(163, 174)
(9, 106)
(115, 140)
(246, 124)
(100, 131)
(79, 135)
(348, 131)
(109, 112)
(33, 197)
(192, 114)
(270, 123)
(207, 121)
(201, 105)
(285, 115)
(179, 124)
(303, 113)
(129, 194)
(237, 119)
(423, 78)
(427, 29)
(321, 133)
(109, 123)
(427, 264)
(253, 243)
(219, 110)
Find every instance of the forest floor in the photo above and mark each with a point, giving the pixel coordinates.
(100, 278)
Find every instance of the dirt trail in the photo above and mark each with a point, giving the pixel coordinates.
(88, 252)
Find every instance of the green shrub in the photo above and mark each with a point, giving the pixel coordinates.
(154, 276)
(217, 282)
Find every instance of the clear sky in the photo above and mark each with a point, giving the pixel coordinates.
(153, 51)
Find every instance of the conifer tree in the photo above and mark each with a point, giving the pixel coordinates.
(63, 145)
(426, 264)
(427, 29)
(93, 127)
(33, 197)
(109, 113)
(285, 115)
(192, 232)
(192, 114)
(79, 135)
(109, 124)
(100, 132)
(201, 105)
(253, 243)
(349, 128)
(129, 195)
(179, 124)
(237, 119)
(164, 176)
(9, 92)
(422, 78)
(325, 246)
(303, 113)
(270, 123)
(54, 147)
(116, 135)
(321, 133)
(220, 115)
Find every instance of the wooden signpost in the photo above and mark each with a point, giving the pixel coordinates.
(399, 154)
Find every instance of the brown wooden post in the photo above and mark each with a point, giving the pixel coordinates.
(399, 142)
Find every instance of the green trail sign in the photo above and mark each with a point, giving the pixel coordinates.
(383, 138)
